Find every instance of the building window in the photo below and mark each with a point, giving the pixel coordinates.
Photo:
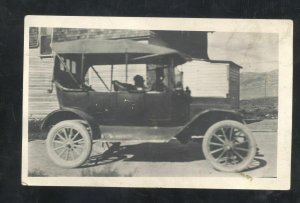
(45, 41)
(33, 37)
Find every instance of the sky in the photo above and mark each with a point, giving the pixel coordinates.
(255, 52)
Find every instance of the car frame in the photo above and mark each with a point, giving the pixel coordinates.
(86, 115)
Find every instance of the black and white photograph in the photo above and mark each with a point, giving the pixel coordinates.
(157, 102)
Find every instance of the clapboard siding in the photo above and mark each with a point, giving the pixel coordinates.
(213, 80)
(206, 79)
(40, 75)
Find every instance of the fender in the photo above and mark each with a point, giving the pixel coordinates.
(203, 120)
(71, 114)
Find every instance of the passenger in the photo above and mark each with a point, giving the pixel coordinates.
(159, 85)
(179, 86)
(139, 83)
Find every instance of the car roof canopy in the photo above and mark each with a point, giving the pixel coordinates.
(101, 52)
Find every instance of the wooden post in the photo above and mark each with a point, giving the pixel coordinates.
(169, 72)
(52, 34)
(81, 74)
(126, 65)
(265, 89)
(111, 75)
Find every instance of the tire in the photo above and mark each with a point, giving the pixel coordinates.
(69, 144)
(229, 146)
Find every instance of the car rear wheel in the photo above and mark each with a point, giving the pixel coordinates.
(69, 144)
(229, 146)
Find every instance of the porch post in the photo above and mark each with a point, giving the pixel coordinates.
(169, 72)
(111, 75)
(81, 74)
(126, 62)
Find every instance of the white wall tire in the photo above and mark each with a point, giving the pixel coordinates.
(229, 146)
(69, 144)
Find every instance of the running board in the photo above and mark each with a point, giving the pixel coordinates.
(137, 133)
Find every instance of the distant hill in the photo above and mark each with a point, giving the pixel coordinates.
(258, 85)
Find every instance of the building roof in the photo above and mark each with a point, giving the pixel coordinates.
(226, 61)
(67, 34)
(220, 61)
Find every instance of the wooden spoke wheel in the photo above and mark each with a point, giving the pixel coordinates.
(69, 144)
(229, 146)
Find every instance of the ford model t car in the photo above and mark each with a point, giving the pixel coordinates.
(157, 111)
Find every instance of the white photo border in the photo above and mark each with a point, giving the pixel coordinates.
(285, 30)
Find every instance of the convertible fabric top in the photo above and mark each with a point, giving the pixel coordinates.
(99, 51)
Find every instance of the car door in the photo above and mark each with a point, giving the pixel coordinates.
(158, 107)
(130, 107)
(103, 106)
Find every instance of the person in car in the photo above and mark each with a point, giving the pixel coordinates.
(139, 83)
(159, 85)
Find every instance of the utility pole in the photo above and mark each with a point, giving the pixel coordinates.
(265, 88)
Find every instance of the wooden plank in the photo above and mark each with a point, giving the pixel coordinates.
(42, 100)
(33, 110)
(41, 70)
(39, 86)
(43, 91)
(206, 79)
(40, 108)
(38, 60)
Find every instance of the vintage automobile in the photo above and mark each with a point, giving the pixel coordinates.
(134, 112)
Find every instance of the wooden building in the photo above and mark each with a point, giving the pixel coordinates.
(213, 83)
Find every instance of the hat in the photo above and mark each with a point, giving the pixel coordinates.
(138, 78)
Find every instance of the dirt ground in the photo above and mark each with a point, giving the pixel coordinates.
(169, 159)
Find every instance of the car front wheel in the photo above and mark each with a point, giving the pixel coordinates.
(229, 146)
